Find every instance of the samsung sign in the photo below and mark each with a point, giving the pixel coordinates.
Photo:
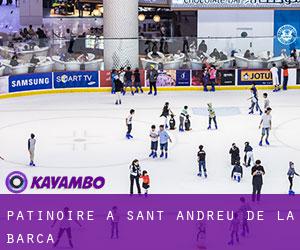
(235, 4)
(84, 79)
(29, 82)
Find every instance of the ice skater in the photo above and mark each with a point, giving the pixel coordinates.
(266, 125)
(235, 154)
(129, 124)
(234, 229)
(275, 78)
(237, 172)
(146, 181)
(118, 89)
(166, 112)
(164, 140)
(211, 116)
(65, 226)
(187, 123)
(266, 101)
(31, 149)
(202, 161)
(154, 141)
(113, 75)
(135, 173)
(257, 172)
(137, 81)
(254, 101)
(172, 122)
(121, 74)
(248, 158)
(291, 174)
(115, 223)
(245, 207)
(182, 118)
(128, 80)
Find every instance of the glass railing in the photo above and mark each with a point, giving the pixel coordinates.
(19, 56)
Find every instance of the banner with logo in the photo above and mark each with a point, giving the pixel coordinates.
(106, 81)
(286, 30)
(245, 4)
(160, 222)
(78, 79)
(166, 78)
(259, 77)
(226, 77)
(183, 77)
(29, 82)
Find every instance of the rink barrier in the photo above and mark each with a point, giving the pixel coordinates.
(94, 81)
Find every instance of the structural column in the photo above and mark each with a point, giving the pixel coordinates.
(121, 45)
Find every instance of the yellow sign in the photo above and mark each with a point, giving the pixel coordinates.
(256, 75)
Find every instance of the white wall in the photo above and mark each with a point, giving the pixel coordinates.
(31, 12)
(231, 23)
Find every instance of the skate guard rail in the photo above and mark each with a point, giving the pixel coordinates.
(168, 80)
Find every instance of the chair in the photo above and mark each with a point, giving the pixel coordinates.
(196, 64)
(277, 60)
(241, 62)
(44, 67)
(41, 51)
(2, 68)
(147, 62)
(93, 65)
(176, 64)
(58, 64)
(72, 66)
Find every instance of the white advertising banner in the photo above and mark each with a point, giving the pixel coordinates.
(252, 4)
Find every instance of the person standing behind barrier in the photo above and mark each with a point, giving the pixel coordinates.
(137, 81)
(31, 149)
(113, 75)
(257, 181)
(285, 77)
(152, 75)
(128, 80)
(135, 173)
(212, 77)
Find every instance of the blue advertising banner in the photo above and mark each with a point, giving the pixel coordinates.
(183, 77)
(78, 79)
(28, 82)
(286, 30)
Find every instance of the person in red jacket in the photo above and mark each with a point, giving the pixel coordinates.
(146, 181)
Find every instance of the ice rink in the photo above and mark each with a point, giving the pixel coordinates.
(84, 134)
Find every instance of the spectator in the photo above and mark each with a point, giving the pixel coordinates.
(285, 76)
(202, 47)
(14, 62)
(215, 54)
(247, 54)
(257, 180)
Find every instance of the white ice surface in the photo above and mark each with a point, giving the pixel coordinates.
(84, 134)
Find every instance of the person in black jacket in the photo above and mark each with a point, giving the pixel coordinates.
(137, 81)
(152, 75)
(202, 161)
(118, 89)
(135, 173)
(235, 154)
(257, 180)
(237, 172)
(128, 80)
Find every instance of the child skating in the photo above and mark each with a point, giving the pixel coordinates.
(172, 122)
(266, 126)
(166, 112)
(291, 174)
(129, 124)
(202, 162)
(182, 118)
(211, 116)
(266, 101)
(254, 101)
(249, 158)
(154, 141)
(237, 172)
(146, 181)
(164, 140)
(128, 80)
(187, 123)
(235, 154)
(118, 89)
(31, 149)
